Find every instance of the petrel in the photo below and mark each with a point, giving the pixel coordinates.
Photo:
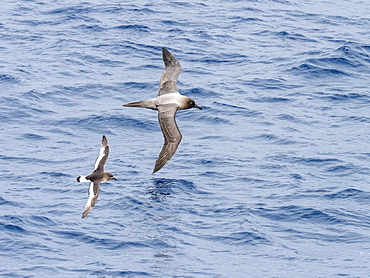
(168, 102)
(97, 177)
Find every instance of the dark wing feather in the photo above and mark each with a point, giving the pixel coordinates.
(168, 81)
(171, 133)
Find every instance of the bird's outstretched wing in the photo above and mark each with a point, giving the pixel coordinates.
(168, 81)
(94, 190)
(103, 155)
(171, 133)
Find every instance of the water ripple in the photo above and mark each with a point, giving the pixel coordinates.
(270, 178)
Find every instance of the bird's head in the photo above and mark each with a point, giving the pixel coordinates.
(190, 103)
(108, 176)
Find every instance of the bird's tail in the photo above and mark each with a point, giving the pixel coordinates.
(82, 179)
(135, 104)
(144, 104)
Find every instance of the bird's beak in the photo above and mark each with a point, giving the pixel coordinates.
(114, 179)
(196, 106)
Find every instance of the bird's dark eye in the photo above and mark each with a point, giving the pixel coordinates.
(191, 102)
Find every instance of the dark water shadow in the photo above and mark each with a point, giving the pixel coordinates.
(161, 188)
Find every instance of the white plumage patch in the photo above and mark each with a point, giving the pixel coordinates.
(90, 201)
(82, 179)
(91, 195)
(101, 155)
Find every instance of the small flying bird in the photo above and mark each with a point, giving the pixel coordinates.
(168, 102)
(97, 177)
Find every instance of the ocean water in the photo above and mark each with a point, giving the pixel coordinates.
(271, 178)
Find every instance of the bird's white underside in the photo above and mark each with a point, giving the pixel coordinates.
(91, 195)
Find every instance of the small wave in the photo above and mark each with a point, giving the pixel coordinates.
(213, 120)
(56, 96)
(317, 72)
(32, 136)
(100, 60)
(213, 175)
(240, 238)
(200, 92)
(293, 36)
(356, 53)
(270, 84)
(285, 35)
(360, 119)
(136, 86)
(4, 202)
(230, 59)
(103, 242)
(134, 27)
(5, 78)
(61, 131)
(116, 273)
(243, 19)
(276, 140)
(289, 118)
(101, 124)
(333, 62)
(297, 213)
(70, 10)
(349, 60)
(13, 225)
(233, 110)
(341, 170)
(13, 229)
(345, 96)
(161, 190)
(119, 8)
(270, 99)
(164, 188)
(91, 27)
(349, 193)
(54, 174)
(43, 220)
(21, 159)
(306, 160)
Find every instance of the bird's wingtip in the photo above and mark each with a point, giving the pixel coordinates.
(104, 141)
(156, 169)
(86, 212)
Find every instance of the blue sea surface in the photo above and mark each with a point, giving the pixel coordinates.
(271, 178)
